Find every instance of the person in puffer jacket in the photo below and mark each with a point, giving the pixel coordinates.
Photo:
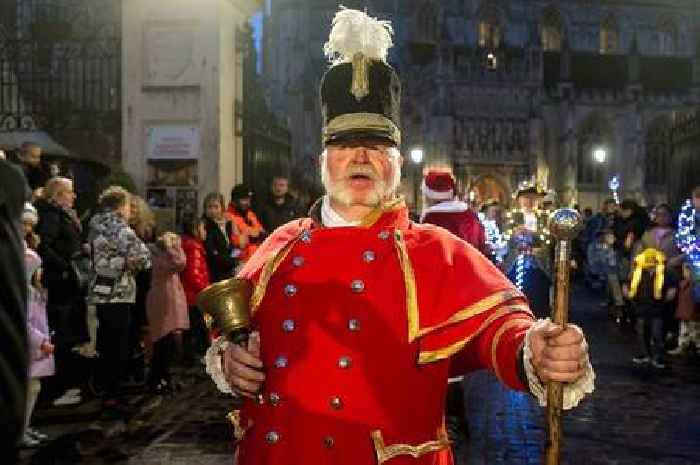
(194, 278)
(117, 255)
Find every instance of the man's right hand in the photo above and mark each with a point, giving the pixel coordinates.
(243, 367)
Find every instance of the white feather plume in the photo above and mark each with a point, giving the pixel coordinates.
(353, 31)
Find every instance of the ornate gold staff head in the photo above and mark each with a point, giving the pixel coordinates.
(228, 303)
(565, 224)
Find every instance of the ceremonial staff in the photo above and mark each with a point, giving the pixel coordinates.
(565, 224)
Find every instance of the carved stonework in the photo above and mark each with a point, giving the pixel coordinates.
(169, 51)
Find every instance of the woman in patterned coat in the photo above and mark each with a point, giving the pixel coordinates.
(117, 255)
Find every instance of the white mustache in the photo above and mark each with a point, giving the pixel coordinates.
(362, 170)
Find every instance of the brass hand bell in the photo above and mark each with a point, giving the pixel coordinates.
(228, 303)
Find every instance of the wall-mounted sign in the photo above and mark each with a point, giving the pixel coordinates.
(172, 142)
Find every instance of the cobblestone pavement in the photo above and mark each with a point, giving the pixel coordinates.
(636, 416)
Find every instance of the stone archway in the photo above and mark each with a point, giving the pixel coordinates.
(488, 187)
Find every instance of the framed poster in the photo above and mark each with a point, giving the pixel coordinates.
(172, 141)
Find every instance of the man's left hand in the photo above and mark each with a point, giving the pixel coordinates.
(558, 354)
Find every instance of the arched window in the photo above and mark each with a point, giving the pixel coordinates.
(658, 151)
(667, 34)
(552, 30)
(609, 35)
(490, 32)
(427, 23)
(594, 135)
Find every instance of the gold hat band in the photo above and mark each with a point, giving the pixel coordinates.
(361, 122)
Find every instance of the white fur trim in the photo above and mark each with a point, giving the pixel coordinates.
(573, 392)
(214, 366)
(453, 206)
(435, 195)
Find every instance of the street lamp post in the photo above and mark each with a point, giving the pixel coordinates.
(416, 155)
(600, 155)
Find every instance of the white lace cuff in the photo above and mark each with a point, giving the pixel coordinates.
(214, 366)
(573, 392)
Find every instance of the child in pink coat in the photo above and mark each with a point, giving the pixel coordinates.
(166, 307)
(41, 362)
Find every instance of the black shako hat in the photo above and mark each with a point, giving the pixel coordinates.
(360, 93)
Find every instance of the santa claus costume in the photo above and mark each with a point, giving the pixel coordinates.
(450, 213)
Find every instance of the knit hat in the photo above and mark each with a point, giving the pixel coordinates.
(438, 185)
(29, 214)
(241, 191)
(32, 262)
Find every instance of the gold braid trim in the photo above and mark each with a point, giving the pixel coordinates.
(385, 452)
(412, 309)
(445, 352)
(409, 279)
(273, 262)
(387, 206)
(238, 429)
(497, 338)
(650, 258)
(487, 303)
(360, 76)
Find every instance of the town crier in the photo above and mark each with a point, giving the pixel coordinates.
(359, 315)
(444, 210)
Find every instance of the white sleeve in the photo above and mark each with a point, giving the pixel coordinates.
(214, 366)
(573, 392)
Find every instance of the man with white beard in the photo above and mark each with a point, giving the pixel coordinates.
(359, 315)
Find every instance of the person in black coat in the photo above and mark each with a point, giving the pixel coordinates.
(60, 244)
(281, 207)
(222, 253)
(13, 308)
(30, 161)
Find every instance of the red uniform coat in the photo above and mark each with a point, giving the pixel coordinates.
(195, 276)
(360, 328)
(458, 219)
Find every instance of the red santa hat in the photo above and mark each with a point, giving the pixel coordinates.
(438, 185)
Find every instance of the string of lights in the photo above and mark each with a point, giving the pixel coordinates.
(520, 271)
(541, 230)
(686, 236)
(494, 239)
(614, 185)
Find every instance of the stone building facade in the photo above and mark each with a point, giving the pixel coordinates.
(503, 90)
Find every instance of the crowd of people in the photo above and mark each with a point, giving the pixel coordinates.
(630, 254)
(634, 254)
(112, 299)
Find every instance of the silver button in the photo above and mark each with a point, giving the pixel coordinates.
(336, 403)
(329, 442)
(344, 362)
(274, 399)
(384, 235)
(288, 326)
(354, 324)
(368, 256)
(298, 261)
(358, 285)
(290, 290)
(306, 236)
(272, 437)
(281, 362)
